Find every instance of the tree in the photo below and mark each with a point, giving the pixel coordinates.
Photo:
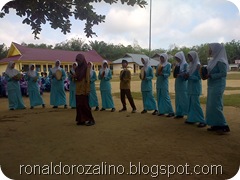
(58, 13)
(3, 51)
(72, 45)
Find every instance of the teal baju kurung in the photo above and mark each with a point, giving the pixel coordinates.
(195, 113)
(163, 98)
(57, 94)
(105, 89)
(181, 96)
(33, 91)
(14, 94)
(216, 87)
(149, 102)
(93, 100)
(72, 92)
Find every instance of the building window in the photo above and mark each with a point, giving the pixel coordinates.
(66, 68)
(38, 68)
(49, 67)
(25, 68)
(44, 68)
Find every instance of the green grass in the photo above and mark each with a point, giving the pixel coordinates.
(228, 100)
(135, 77)
(138, 95)
(233, 76)
(232, 88)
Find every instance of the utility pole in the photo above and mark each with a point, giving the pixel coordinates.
(150, 27)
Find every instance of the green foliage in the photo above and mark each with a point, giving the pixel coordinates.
(58, 13)
(112, 52)
(233, 50)
(3, 51)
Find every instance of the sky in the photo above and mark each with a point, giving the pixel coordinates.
(174, 22)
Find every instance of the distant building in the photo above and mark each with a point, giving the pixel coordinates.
(134, 63)
(233, 67)
(44, 59)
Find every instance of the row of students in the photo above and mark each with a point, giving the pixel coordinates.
(187, 88)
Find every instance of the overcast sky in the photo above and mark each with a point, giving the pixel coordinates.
(180, 22)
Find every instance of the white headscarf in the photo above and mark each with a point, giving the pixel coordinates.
(11, 71)
(180, 55)
(195, 62)
(56, 68)
(91, 69)
(30, 72)
(165, 56)
(146, 64)
(104, 69)
(72, 69)
(218, 55)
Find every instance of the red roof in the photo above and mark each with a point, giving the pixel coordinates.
(38, 54)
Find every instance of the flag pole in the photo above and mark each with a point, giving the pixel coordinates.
(150, 27)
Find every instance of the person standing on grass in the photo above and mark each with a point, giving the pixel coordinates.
(125, 80)
(195, 113)
(13, 87)
(149, 102)
(72, 86)
(57, 94)
(181, 96)
(84, 114)
(32, 78)
(105, 76)
(163, 99)
(217, 71)
(93, 99)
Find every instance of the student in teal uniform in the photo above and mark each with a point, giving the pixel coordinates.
(57, 94)
(181, 96)
(163, 72)
(13, 87)
(195, 113)
(149, 102)
(72, 86)
(105, 76)
(93, 99)
(32, 78)
(217, 72)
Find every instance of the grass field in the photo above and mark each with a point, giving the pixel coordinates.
(228, 100)
(135, 77)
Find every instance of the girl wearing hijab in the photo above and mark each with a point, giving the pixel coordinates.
(72, 86)
(149, 102)
(217, 72)
(163, 98)
(195, 113)
(82, 77)
(13, 87)
(105, 76)
(181, 96)
(93, 100)
(57, 94)
(33, 89)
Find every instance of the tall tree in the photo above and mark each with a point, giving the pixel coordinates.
(58, 13)
(73, 45)
(3, 51)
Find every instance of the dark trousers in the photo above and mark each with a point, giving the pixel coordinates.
(127, 92)
(83, 109)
